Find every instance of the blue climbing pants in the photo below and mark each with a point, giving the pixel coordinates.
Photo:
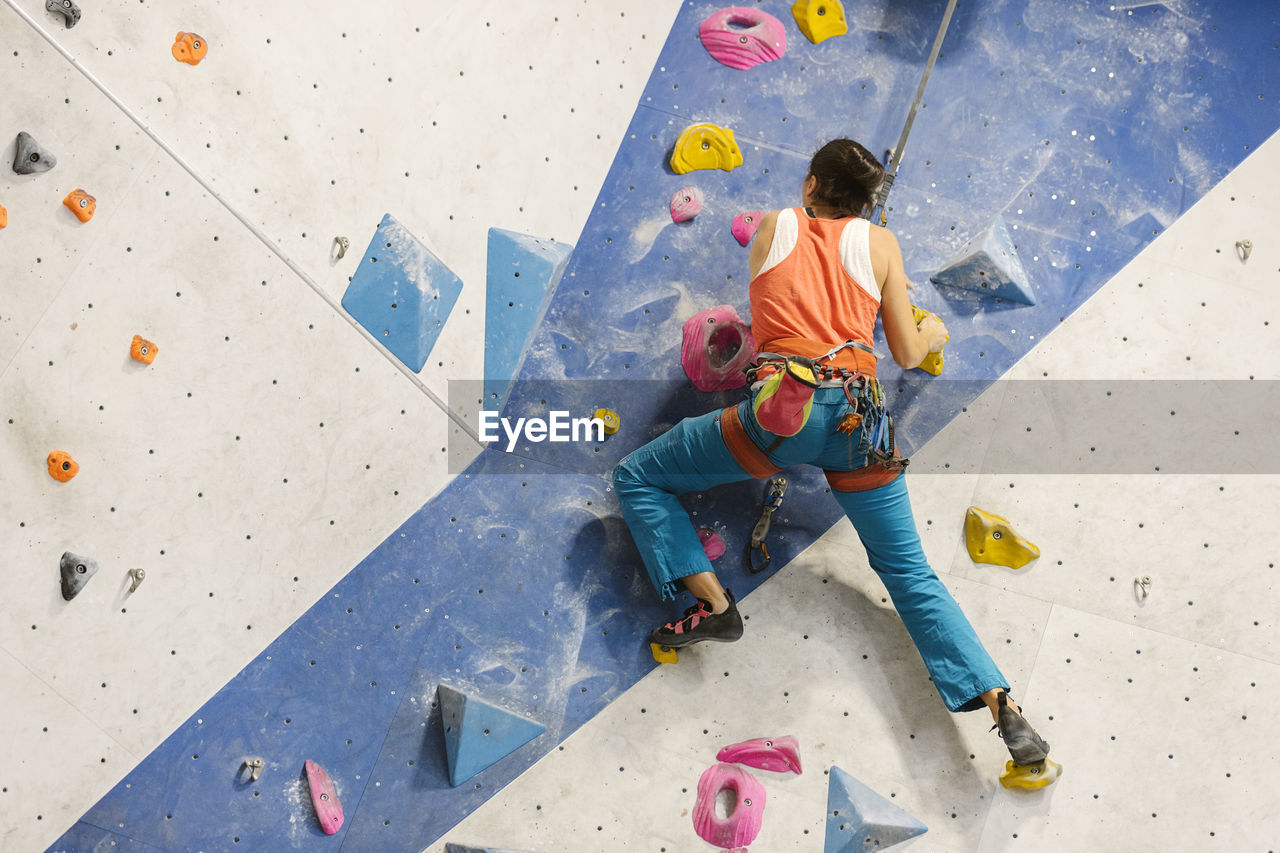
(695, 455)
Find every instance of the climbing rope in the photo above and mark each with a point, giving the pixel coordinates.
(895, 155)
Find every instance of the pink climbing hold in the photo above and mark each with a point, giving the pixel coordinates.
(712, 544)
(741, 38)
(745, 224)
(780, 754)
(686, 204)
(742, 825)
(717, 346)
(324, 796)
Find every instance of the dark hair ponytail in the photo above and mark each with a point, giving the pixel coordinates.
(848, 175)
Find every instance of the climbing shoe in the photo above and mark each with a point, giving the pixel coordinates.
(1023, 743)
(699, 625)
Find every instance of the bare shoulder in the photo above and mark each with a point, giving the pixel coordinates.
(768, 222)
(882, 240)
(762, 241)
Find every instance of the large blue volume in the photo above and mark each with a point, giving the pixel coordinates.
(402, 293)
(861, 821)
(521, 274)
(989, 264)
(478, 735)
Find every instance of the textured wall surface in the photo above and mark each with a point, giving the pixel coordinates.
(272, 446)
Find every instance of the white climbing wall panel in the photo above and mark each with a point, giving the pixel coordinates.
(270, 447)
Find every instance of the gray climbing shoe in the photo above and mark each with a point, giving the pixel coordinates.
(1023, 743)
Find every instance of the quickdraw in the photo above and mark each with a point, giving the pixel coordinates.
(867, 406)
(773, 500)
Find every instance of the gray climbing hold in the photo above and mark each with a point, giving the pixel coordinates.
(30, 157)
(451, 847)
(69, 11)
(76, 571)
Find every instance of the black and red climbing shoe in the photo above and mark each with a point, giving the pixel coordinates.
(699, 625)
(1024, 745)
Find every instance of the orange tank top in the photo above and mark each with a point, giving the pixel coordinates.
(816, 290)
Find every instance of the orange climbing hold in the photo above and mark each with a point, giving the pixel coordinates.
(81, 204)
(143, 350)
(4, 217)
(61, 466)
(189, 48)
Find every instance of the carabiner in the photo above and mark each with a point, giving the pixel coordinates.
(773, 500)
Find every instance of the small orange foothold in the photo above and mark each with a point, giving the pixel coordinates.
(61, 466)
(143, 350)
(81, 204)
(4, 217)
(189, 48)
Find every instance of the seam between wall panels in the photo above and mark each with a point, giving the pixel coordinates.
(244, 220)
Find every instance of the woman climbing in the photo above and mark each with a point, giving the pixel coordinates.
(819, 276)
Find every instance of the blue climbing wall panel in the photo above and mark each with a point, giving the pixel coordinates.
(1088, 128)
(402, 293)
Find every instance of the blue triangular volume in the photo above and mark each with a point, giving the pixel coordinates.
(521, 274)
(860, 821)
(989, 264)
(401, 293)
(477, 734)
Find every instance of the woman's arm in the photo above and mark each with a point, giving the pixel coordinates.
(908, 343)
(762, 241)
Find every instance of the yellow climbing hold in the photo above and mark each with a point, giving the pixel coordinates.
(662, 654)
(990, 539)
(1041, 774)
(933, 361)
(610, 418)
(819, 20)
(705, 146)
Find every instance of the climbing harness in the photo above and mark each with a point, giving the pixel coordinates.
(864, 394)
(773, 500)
(895, 153)
(826, 374)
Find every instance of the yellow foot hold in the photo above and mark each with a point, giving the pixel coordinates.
(1032, 776)
(662, 654)
(819, 20)
(990, 539)
(610, 420)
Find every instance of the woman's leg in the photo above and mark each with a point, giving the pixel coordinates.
(690, 457)
(962, 671)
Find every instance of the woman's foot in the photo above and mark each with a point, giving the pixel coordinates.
(1022, 741)
(700, 624)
